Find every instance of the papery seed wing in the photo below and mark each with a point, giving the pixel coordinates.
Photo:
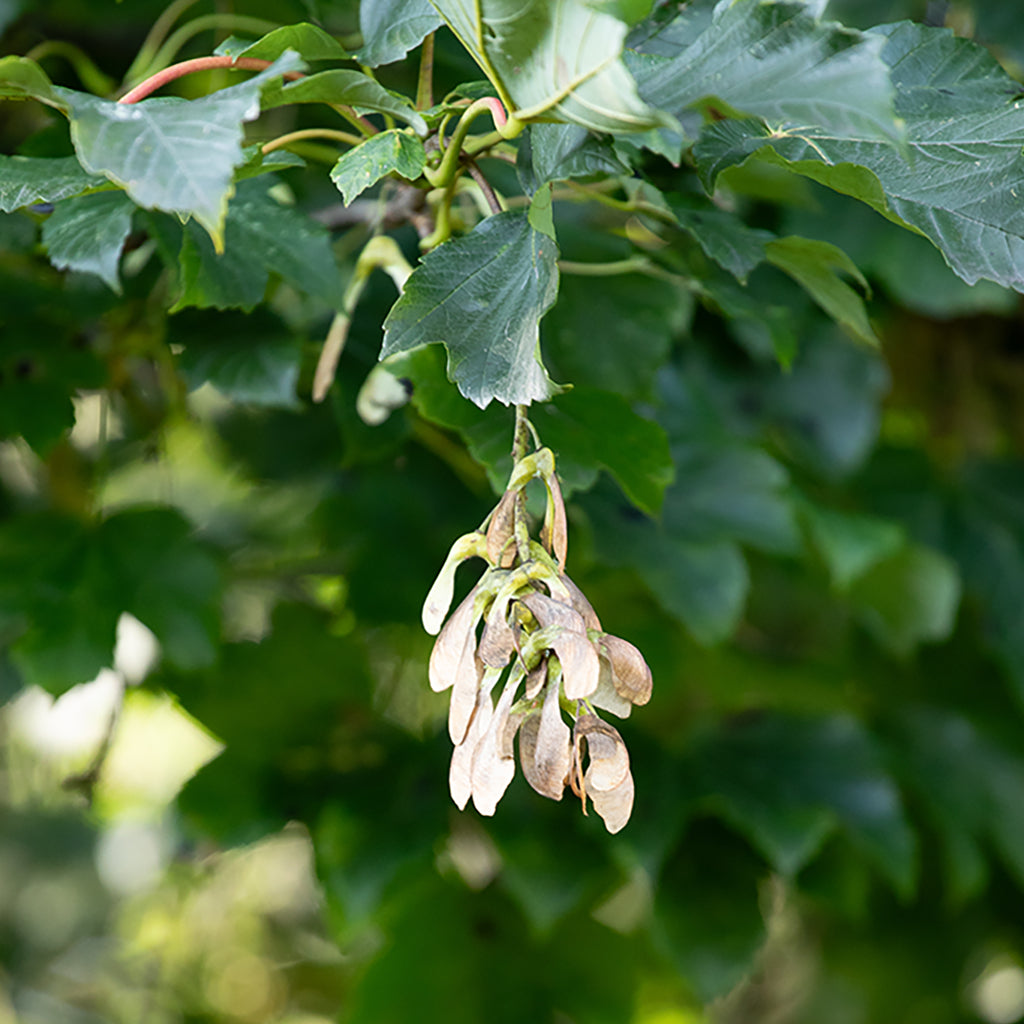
(501, 529)
(535, 679)
(614, 805)
(555, 533)
(606, 751)
(492, 771)
(581, 666)
(468, 679)
(497, 642)
(549, 612)
(451, 642)
(631, 674)
(581, 604)
(460, 772)
(606, 697)
(439, 597)
(545, 752)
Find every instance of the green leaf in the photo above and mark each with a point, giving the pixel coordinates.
(347, 87)
(391, 151)
(600, 428)
(87, 234)
(787, 782)
(908, 599)
(814, 266)
(308, 41)
(851, 543)
(483, 295)
(391, 28)
(168, 153)
(254, 365)
(706, 916)
(262, 236)
(26, 180)
(614, 334)
(964, 131)
(556, 152)
(724, 237)
(73, 582)
(774, 60)
(22, 78)
(561, 60)
(969, 784)
(703, 584)
(730, 492)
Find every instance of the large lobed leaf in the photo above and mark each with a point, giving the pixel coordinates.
(168, 153)
(559, 58)
(483, 295)
(770, 59)
(959, 185)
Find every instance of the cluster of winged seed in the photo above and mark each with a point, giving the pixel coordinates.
(527, 633)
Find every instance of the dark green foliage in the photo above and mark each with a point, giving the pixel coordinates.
(787, 430)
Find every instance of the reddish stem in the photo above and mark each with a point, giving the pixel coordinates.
(186, 67)
(497, 111)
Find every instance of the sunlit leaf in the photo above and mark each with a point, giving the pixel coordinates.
(558, 59)
(774, 60)
(958, 185)
(168, 153)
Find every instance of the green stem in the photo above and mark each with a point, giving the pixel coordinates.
(154, 40)
(244, 23)
(425, 83)
(442, 219)
(632, 265)
(88, 73)
(443, 175)
(310, 133)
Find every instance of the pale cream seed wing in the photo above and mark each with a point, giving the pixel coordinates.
(614, 805)
(606, 752)
(492, 771)
(439, 597)
(460, 773)
(450, 644)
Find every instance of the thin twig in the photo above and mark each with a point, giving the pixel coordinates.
(485, 186)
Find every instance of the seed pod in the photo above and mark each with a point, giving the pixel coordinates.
(501, 529)
(497, 641)
(555, 532)
(631, 675)
(609, 759)
(581, 604)
(544, 747)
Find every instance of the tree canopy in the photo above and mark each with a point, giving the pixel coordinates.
(416, 409)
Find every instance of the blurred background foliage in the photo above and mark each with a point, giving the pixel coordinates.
(250, 821)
